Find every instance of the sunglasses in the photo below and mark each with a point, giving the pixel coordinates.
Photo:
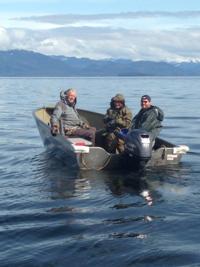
(144, 101)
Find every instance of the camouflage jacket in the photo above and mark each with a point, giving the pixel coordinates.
(117, 118)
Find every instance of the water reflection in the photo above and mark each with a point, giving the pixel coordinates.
(134, 183)
(147, 187)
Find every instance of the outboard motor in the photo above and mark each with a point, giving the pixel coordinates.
(138, 145)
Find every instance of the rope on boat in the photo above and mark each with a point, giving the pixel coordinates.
(98, 169)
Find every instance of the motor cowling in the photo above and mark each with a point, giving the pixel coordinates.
(138, 144)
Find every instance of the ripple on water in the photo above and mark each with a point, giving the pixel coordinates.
(53, 215)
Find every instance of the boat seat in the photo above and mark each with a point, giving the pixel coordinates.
(79, 141)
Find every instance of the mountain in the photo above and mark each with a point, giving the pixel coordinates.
(21, 63)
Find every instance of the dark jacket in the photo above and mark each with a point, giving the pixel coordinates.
(148, 119)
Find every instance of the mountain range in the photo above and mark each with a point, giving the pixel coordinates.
(22, 63)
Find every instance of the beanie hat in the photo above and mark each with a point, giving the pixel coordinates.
(146, 97)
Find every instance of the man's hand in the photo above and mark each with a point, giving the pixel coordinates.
(85, 126)
(54, 129)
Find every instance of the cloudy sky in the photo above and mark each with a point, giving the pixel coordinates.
(130, 29)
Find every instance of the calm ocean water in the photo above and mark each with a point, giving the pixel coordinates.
(54, 216)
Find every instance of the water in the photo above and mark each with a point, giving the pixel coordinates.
(54, 216)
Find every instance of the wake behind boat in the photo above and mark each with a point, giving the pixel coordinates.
(138, 148)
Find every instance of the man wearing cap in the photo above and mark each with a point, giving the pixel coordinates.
(71, 123)
(118, 116)
(148, 118)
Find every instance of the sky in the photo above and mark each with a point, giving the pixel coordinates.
(155, 30)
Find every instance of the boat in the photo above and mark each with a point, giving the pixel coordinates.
(139, 151)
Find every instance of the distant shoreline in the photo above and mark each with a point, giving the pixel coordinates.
(22, 63)
(93, 77)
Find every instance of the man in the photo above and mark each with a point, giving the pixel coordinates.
(148, 118)
(71, 123)
(118, 116)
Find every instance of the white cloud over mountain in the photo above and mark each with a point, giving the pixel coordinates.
(109, 39)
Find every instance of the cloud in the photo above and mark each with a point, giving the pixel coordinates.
(4, 38)
(74, 18)
(103, 42)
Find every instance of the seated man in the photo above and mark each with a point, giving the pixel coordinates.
(148, 118)
(118, 116)
(72, 124)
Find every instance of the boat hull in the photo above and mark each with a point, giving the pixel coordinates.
(97, 158)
